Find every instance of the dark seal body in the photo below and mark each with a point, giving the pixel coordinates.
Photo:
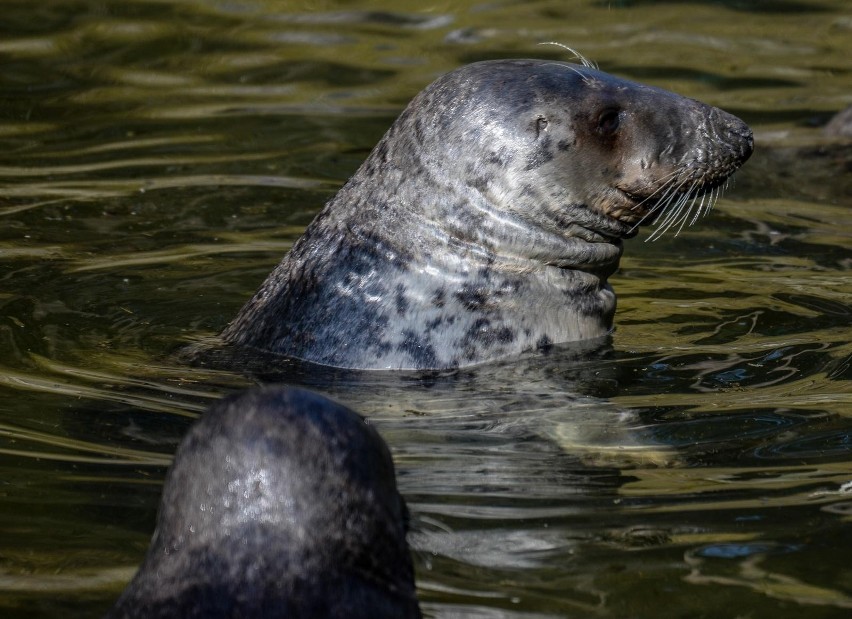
(280, 503)
(487, 220)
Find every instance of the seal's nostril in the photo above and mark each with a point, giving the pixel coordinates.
(746, 140)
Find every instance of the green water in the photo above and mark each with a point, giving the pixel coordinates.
(159, 157)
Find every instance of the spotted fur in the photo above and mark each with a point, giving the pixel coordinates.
(487, 220)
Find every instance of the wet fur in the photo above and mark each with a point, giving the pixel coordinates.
(487, 220)
(280, 503)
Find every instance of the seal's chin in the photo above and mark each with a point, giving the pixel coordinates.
(612, 216)
(595, 235)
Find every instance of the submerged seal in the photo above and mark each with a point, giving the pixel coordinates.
(840, 125)
(280, 503)
(487, 220)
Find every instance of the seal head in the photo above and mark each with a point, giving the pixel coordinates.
(280, 503)
(489, 217)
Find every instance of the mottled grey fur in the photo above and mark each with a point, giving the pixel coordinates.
(487, 220)
(840, 125)
(280, 503)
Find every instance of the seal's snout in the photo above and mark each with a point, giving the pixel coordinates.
(726, 145)
(741, 138)
(747, 141)
(735, 134)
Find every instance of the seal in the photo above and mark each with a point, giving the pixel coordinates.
(840, 125)
(279, 503)
(488, 219)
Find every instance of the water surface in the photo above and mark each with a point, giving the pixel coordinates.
(159, 157)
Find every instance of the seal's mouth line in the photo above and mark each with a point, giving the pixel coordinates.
(682, 201)
(643, 203)
(680, 186)
(596, 236)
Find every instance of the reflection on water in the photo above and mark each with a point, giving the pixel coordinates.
(157, 160)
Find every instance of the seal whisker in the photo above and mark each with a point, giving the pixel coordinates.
(689, 210)
(720, 192)
(584, 78)
(677, 181)
(660, 206)
(671, 205)
(702, 209)
(716, 193)
(713, 197)
(711, 202)
(583, 60)
(669, 184)
(666, 200)
(682, 213)
(673, 186)
(691, 195)
(675, 206)
(701, 206)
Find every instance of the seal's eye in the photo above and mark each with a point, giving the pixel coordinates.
(608, 121)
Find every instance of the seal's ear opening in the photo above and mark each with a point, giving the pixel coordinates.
(540, 126)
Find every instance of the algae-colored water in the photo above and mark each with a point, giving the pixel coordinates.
(159, 157)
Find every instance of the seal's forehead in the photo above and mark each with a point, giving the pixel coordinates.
(591, 78)
(513, 81)
(555, 74)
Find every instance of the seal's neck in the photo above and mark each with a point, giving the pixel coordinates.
(462, 227)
